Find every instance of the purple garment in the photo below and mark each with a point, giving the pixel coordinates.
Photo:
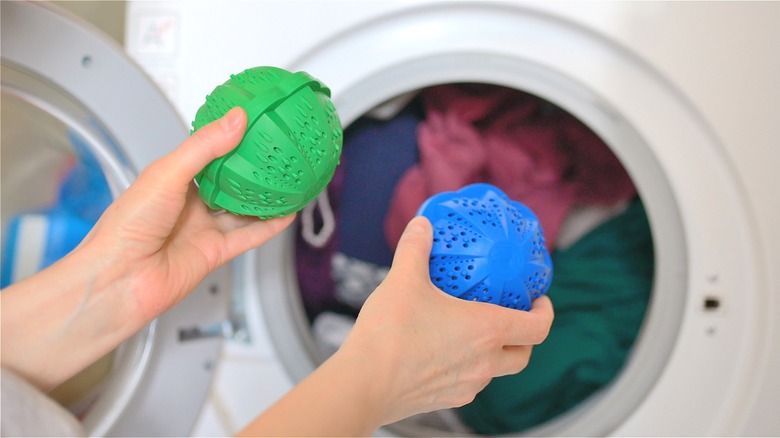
(313, 265)
(376, 153)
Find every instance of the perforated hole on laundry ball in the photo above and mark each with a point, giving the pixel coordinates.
(289, 152)
(487, 247)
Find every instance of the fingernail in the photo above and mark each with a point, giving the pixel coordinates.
(416, 226)
(231, 120)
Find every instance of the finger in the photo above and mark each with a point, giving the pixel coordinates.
(525, 328)
(541, 317)
(254, 234)
(542, 309)
(512, 359)
(176, 170)
(227, 222)
(414, 248)
(543, 306)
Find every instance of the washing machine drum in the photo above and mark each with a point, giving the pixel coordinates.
(79, 120)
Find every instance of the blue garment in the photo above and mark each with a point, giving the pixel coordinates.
(82, 197)
(84, 190)
(376, 153)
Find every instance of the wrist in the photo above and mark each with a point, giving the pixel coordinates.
(365, 382)
(69, 315)
(340, 398)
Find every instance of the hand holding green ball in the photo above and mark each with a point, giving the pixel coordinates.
(289, 152)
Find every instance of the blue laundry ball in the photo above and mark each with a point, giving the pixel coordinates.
(487, 247)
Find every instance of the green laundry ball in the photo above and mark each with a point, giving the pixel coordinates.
(289, 152)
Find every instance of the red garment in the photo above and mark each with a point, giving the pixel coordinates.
(535, 152)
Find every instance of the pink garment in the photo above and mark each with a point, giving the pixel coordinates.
(535, 152)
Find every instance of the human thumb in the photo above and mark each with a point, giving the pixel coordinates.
(177, 169)
(414, 248)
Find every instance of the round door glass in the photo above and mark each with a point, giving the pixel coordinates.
(54, 187)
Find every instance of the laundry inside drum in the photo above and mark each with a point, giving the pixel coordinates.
(447, 136)
(53, 191)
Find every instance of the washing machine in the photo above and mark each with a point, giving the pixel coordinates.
(79, 121)
(685, 95)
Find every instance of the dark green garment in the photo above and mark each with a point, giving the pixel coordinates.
(600, 289)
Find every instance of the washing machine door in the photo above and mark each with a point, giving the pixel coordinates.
(79, 120)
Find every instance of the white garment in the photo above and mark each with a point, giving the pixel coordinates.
(26, 411)
(355, 279)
